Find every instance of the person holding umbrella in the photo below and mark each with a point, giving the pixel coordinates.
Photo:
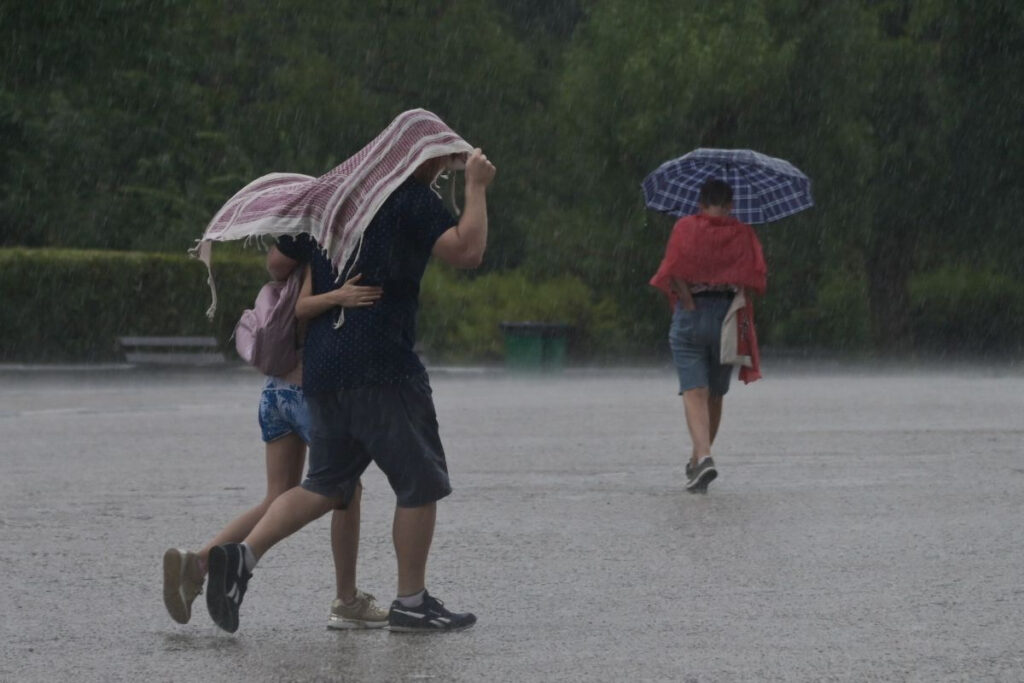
(710, 257)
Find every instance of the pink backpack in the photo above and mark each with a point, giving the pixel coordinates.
(265, 335)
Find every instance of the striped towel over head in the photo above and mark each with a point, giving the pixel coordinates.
(336, 208)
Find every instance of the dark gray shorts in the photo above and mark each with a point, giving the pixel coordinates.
(393, 425)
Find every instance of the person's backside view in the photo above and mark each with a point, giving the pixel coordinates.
(369, 394)
(710, 257)
(285, 428)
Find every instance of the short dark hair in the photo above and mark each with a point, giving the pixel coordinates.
(715, 192)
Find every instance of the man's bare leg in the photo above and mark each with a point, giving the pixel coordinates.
(291, 511)
(413, 532)
(415, 609)
(285, 458)
(231, 565)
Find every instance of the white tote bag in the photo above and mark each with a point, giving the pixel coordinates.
(731, 334)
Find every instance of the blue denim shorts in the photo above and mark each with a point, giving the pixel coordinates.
(283, 411)
(695, 338)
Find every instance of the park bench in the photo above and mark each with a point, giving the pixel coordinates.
(171, 350)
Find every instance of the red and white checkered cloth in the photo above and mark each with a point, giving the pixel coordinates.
(336, 208)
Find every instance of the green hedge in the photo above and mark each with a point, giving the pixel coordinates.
(954, 309)
(835, 316)
(65, 305)
(70, 305)
(965, 309)
(460, 314)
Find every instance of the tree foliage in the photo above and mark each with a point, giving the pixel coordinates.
(125, 125)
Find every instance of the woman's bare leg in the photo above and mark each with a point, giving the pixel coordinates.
(698, 420)
(345, 546)
(715, 417)
(285, 459)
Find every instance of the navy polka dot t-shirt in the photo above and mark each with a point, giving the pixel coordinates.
(375, 344)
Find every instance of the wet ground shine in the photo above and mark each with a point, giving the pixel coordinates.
(866, 525)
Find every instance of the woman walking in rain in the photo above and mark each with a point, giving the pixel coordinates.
(710, 257)
(285, 428)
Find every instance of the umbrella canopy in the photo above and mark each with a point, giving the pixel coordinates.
(764, 188)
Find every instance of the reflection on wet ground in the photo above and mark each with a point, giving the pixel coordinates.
(866, 524)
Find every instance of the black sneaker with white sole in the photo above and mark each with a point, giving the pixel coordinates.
(226, 584)
(689, 476)
(701, 475)
(430, 615)
(699, 488)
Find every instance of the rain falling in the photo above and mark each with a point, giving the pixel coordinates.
(555, 296)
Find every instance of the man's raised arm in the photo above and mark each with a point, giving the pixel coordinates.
(463, 246)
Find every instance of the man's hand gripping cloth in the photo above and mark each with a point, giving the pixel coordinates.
(717, 250)
(336, 208)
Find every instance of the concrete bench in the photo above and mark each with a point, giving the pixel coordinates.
(171, 350)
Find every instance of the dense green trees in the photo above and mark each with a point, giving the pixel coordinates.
(125, 124)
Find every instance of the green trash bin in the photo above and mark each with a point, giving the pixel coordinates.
(535, 346)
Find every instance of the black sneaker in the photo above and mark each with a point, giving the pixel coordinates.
(225, 584)
(431, 615)
(700, 476)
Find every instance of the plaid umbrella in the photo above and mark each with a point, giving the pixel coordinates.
(764, 188)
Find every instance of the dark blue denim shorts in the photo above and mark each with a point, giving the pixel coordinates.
(695, 338)
(283, 411)
(393, 425)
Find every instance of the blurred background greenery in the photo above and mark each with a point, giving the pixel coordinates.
(125, 124)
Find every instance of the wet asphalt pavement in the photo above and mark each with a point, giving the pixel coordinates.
(866, 525)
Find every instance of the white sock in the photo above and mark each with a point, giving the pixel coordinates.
(248, 557)
(703, 458)
(414, 600)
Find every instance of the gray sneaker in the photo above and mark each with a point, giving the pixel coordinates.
(702, 488)
(182, 583)
(700, 476)
(363, 613)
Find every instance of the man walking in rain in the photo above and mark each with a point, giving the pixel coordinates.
(368, 393)
(710, 257)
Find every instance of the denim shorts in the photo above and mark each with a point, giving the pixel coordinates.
(393, 425)
(283, 411)
(695, 338)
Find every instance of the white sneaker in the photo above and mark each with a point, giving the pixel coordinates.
(182, 583)
(364, 612)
